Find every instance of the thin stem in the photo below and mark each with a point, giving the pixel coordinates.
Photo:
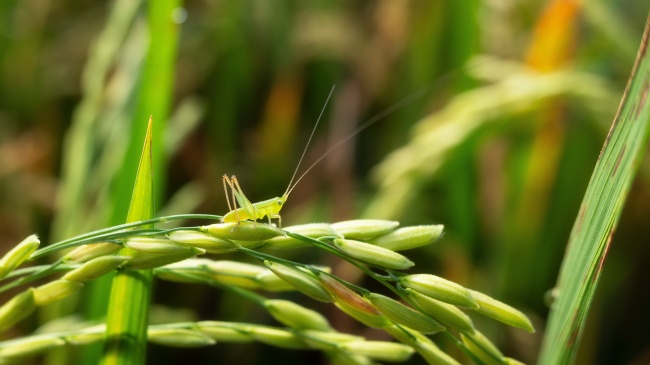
(120, 227)
(248, 294)
(107, 236)
(32, 269)
(346, 257)
(34, 276)
(464, 348)
(164, 219)
(263, 256)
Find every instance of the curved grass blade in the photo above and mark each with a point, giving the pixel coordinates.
(599, 213)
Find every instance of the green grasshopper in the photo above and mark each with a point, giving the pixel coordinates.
(271, 208)
(266, 208)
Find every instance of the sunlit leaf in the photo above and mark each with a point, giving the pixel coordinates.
(599, 213)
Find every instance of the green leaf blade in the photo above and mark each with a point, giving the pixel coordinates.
(128, 311)
(599, 213)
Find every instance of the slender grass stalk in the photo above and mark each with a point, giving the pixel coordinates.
(599, 213)
(128, 310)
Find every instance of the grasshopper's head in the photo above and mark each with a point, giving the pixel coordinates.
(281, 200)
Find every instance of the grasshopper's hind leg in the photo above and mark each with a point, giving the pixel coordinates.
(228, 182)
(246, 206)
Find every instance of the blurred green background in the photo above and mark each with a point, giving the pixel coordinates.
(489, 119)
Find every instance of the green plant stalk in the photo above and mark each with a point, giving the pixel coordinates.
(154, 99)
(599, 214)
(128, 310)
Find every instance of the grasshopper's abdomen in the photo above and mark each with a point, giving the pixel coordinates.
(231, 217)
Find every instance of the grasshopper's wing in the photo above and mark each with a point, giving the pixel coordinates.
(246, 204)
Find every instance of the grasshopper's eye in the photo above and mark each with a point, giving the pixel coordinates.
(280, 202)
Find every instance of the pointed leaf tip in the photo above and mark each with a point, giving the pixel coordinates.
(142, 200)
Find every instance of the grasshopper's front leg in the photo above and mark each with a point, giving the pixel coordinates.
(275, 216)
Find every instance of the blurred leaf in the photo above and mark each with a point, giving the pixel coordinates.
(402, 173)
(84, 136)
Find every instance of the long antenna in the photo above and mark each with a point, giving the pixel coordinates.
(289, 188)
(381, 115)
(376, 118)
